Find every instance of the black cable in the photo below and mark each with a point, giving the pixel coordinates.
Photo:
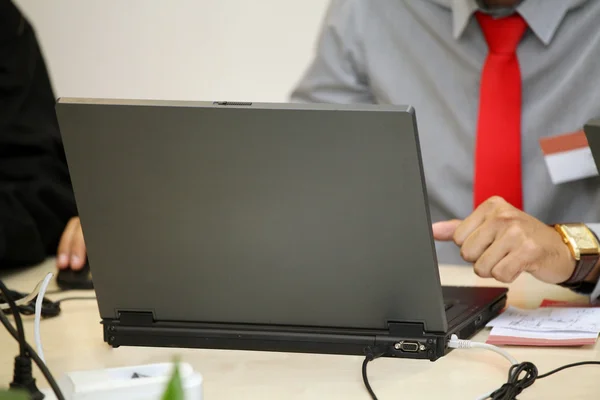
(31, 352)
(371, 353)
(520, 376)
(366, 379)
(61, 290)
(75, 298)
(577, 364)
(50, 308)
(21, 331)
(517, 382)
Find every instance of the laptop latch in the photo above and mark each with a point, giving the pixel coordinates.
(136, 318)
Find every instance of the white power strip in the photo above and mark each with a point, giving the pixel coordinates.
(142, 382)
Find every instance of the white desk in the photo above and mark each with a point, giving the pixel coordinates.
(73, 341)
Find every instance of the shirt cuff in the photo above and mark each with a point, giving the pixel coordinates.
(595, 295)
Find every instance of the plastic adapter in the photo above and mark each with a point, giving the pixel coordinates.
(143, 382)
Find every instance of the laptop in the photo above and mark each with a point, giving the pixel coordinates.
(592, 133)
(272, 227)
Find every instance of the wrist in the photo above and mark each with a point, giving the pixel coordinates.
(593, 276)
(570, 263)
(583, 252)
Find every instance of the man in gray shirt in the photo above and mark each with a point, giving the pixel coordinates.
(431, 54)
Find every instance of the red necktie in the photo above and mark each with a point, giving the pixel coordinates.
(498, 143)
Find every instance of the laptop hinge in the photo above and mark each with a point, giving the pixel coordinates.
(136, 318)
(406, 328)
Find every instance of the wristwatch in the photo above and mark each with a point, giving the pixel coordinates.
(585, 248)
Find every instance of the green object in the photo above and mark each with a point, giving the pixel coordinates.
(174, 390)
(14, 395)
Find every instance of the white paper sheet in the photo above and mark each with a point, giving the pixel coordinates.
(564, 319)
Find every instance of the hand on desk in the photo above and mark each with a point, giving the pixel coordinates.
(71, 249)
(502, 242)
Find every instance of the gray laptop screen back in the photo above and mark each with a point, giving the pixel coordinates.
(310, 215)
(592, 131)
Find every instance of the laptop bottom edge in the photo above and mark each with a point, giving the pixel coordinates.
(399, 341)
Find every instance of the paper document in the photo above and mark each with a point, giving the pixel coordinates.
(555, 323)
(516, 337)
(576, 319)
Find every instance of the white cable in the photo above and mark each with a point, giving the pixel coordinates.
(25, 300)
(457, 343)
(38, 316)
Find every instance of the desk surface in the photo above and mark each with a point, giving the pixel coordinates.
(73, 341)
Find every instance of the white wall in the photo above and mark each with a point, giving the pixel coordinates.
(176, 49)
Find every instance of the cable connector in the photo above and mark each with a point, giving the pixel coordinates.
(457, 343)
(374, 352)
(23, 378)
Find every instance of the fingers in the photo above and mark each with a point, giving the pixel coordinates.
(510, 267)
(78, 254)
(64, 246)
(498, 260)
(502, 242)
(71, 249)
(444, 231)
(478, 242)
(492, 238)
(477, 218)
(460, 231)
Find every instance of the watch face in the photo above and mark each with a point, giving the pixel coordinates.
(582, 237)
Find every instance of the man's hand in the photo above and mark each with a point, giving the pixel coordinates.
(71, 249)
(502, 242)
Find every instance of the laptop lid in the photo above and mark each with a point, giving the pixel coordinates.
(592, 132)
(271, 214)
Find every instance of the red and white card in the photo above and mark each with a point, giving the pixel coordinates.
(568, 157)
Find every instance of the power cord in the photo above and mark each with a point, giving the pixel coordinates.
(456, 343)
(23, 374)
(31, 353)
(37, 304)
(7, 295)
(49, 309)
(27, 299)
(371, 353)
(520, 375)
(38, 315)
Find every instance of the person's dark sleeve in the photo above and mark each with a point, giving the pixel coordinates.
(36, 198)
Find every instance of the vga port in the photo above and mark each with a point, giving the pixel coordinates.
(409, 347)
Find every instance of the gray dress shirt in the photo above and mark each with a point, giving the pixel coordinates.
(430, 53)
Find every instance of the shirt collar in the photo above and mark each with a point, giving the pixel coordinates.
(542, 16)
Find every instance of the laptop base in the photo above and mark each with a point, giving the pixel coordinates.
(400, 340)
